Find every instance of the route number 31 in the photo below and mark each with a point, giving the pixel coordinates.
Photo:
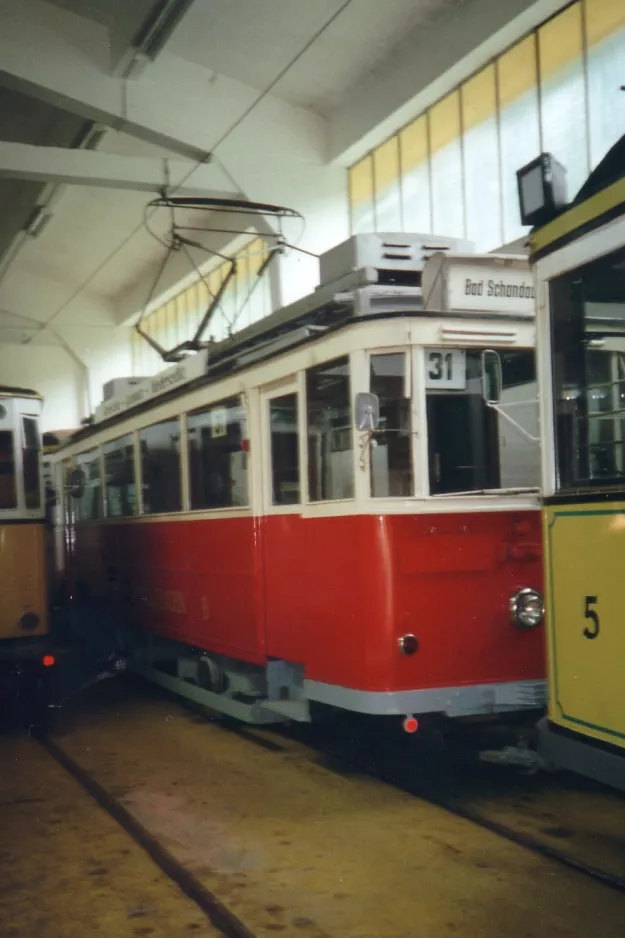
(446, 368)
(591, 630)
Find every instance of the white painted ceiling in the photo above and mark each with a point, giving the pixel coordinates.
(252, 41)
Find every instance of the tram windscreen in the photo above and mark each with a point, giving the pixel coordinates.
(329, 427)
(391, 458)
(31, 461)
(8, 490)
(473, 447)
(587, 308)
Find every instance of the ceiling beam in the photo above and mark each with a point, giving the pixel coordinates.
(179, 106)
(58, 165)
(42, 56)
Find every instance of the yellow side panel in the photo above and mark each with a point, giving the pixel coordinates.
(22, 578)
(585, 558)
(361, 183)
(386, 165)
(413, 144)
(560, 42)
(445, 121)
(479, 99)
(603, 19)
(517, 71)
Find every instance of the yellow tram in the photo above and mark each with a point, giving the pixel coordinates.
(24, 617)
(578, 255)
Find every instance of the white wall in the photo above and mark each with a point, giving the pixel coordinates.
(58, 375)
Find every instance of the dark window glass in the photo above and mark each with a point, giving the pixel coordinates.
(119, 475)
(217, 440)
(160, 467)
(391, 459)
(89, 506)
(31, 451)
(588, 348)
(285, 472)
(8, 491)
(470, 446)
(330, 441)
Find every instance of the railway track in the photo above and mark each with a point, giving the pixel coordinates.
(350, 756)
(222, 918)
(358, 753)
(304, 755)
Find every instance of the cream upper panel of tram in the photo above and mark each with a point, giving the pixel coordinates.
(404, 335)
(392, 333)
(587, 248)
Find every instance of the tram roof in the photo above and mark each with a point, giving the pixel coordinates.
(600, 199)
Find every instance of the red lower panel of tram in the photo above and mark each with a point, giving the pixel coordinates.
(333, 593)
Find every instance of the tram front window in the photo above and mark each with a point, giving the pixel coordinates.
(391, 460)
(8, 491)
(472, 447)
(330, 442)
(30, 460)
(588, 358)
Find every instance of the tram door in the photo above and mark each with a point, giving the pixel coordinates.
(283, 530)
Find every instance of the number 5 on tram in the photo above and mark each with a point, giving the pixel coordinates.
(578, 255)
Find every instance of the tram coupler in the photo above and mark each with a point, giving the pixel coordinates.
(70, 686)
(521, 756)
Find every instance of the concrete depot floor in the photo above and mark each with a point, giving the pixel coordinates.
(288, 843)
(68, 870)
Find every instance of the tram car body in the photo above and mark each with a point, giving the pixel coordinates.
(24, 623)
(578, 256)
(325, 508)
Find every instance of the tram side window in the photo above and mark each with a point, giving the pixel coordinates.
(217, 445)
(8, 490)
(391, 459)
(330, 439)
(119, 476)
(31, 449)
(89, 505)
(470, 446)
(285, 468)
(160, 467)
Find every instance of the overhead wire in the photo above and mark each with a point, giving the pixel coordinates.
(254, 104)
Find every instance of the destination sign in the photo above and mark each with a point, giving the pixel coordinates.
(499, 290)
(179, 374)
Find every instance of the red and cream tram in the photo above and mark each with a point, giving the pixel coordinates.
(339, 504)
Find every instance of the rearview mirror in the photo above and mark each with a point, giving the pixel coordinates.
(491, 376)
(76, 483)
(367, 411)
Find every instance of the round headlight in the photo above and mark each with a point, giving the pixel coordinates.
(527, 609)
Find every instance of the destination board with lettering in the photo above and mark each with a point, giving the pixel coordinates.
(176, 376)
